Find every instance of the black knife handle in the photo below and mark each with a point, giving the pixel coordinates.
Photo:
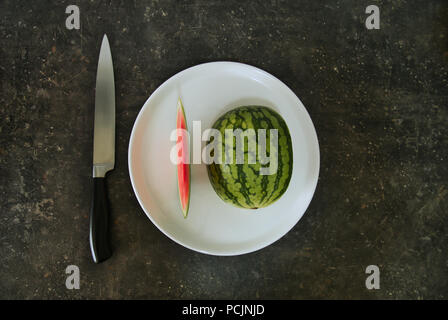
(99, 222)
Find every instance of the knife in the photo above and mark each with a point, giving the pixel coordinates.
(103, 154)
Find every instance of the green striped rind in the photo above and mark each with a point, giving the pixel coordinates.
(241, 184)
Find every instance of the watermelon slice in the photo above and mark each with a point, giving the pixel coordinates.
(183, 157)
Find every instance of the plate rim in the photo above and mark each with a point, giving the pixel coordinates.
(140, 201)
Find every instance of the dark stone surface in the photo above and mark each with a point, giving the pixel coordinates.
(378, 100)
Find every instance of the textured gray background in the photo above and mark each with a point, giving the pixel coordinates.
(378, 100)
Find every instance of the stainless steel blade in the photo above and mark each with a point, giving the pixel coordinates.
(104, 131)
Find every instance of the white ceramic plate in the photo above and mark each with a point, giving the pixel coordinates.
(213, 226)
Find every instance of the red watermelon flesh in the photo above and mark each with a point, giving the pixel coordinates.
(183, 164)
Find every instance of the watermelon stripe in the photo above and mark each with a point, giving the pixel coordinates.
(244, 191)
(264, 184)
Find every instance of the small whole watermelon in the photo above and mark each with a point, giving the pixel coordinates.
(263, 175)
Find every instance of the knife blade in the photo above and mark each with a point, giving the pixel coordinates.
(103, 153)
